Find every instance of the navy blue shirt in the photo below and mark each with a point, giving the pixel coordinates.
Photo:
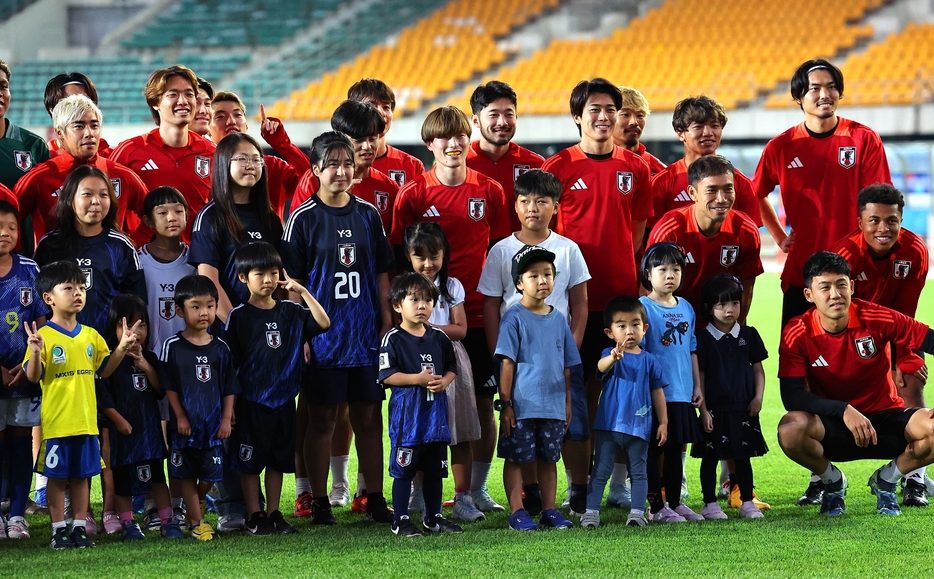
(19, 303)
(110, 265)
(729, 383)
(128, 392)
(338, 252)
(267, 350)
(417, 415)
(202, 376)
(219, 248)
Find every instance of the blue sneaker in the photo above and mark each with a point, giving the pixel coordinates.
(132, 532)
(38, 497)
(833, 504)
(521, 521)
(876, 483)
(552, 518)
(887, 503)
(211, 508)
(172, 530)
(139, 504)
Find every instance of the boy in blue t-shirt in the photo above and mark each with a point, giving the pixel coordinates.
(633, 385)
(417, 361)
(537, 350)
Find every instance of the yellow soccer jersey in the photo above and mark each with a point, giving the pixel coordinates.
(69, 363)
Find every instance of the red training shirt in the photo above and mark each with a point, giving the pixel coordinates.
(505, 171)
(399, 166)
(655, 164)
(103, 148)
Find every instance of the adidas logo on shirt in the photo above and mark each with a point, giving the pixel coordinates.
(795, 164)
(684, 197)
(432, 212)
(820, 363)
(578, 185)
(150, 166)
(689, 258)
(862, 276)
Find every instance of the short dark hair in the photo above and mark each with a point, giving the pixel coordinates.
(194, 285)
(587, 88)
(5, 68)
(160, 196)
(328, 143)
(55, 88)
(708, 166)
(492, 91)
(126, 306)
(206, 87)
(357, 120)
(824, 262)
(56, 273)
(7, 208)
(660, 254)
(412, 282)
(800, 82)
(623, 305)
(881, 193)
(719, 290)
(697, 109)
(259, 255)
(372, 89)
(538, 182)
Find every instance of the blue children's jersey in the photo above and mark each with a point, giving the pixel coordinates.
(19, 303)
(726, 361)
(110, 265)
(417, 415)
(202, 376)
(219, 249)
(671, 338)
(626, 400)
(339, 251)
(129, 392)
(267, 350)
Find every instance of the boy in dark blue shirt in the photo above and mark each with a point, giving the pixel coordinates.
(417, 361)
(198, 376)
(266, 337)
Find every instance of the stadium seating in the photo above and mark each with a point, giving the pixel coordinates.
(10, 7)
(450, 46)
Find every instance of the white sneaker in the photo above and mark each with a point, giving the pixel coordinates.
(620, 496)
(18, 528)
(929, 484)
(465, 510)
(339, 495)
(590, 519)
(417, 501)
(483, 501)
(567, 499)
(724, 491)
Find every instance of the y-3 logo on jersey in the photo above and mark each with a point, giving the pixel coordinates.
(85, 265)
(202, 368)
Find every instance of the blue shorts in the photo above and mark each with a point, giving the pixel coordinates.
(431, 459)
(339, 385)
(70, 457)
(533, 439)
(205, 464)
(579, 429)
(131, 480)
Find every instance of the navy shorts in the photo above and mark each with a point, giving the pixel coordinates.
(431, 459)
(340, 385)
(262, 437)
(484, 369)
(205, 464)
(579, 428)
(840, 446)
(533, 439)
(70, 457)
(136, 479)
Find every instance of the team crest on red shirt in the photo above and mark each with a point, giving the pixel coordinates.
(246, 452)
(25, 296)
(866, 347)
(846, 156)
(476, 208)
(117, 187)
(397, 176)
(273, 339)
(176, 458)
(139, 382)
(519, 170)
(624, 182)
(88, 277)
(23, 160)
(900, 269)
(202, 166)
(166, 308)
(144, 473)
(203, 372)
(728, 255)
(347, 253)
(403, 457)
(382, 201)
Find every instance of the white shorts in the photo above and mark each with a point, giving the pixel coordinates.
(22, 412)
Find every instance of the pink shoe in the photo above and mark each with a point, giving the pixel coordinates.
(749, 510)
(90, 525)
(713, 512)
(687, 513)
(666, 515)
(111, 522)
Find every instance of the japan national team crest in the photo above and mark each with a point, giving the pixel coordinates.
(25, 296)
(176, 458)
(347, 253)
(23, 160)
(139, 382)
(476, 208)
(246, 452)
(428, 366)
(866, 347)
(846, 156)
(203, 166)
(382, 201)
(117, 187)
(166, 308)
(624, 182)
(900, 269)
(143, 473)
(203, 372)
(403, 456)
(728, 255)
(518, 170)
(273, 340)
(88, 277)
(398, 177)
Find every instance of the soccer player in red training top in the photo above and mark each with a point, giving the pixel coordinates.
(471, 208)
(888, 265)
(399, 165)
(698, 122)
(171, 154)
(494, 154)
(716, 238)
(820, 165)
(630, 121)
(63, 85)
(836, 383)
(202, 122)
(77, 122)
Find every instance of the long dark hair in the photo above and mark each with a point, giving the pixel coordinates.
(428, 237)
(68, 238)
(124, 306)
(224, 218)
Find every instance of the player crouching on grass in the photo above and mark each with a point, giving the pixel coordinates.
(835, 373)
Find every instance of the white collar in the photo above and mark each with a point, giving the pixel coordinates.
(717, 334)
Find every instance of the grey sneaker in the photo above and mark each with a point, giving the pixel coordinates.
(417, 502)
(637, 520)
(620, 495)
(749, 510)
(465, 510)
(590, 519)
(230, 523)
(484, 502)
(713, 512)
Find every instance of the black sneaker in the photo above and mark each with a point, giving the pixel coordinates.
(578, 502)
(914, 494)
(79, 536)
(61, 540)
(441, 525)
(376, 509)
(814, 496)
(321, 513)
(404, 527)
(259, 524)
(280, 525)
(532, 502)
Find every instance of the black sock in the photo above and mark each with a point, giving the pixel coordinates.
(401, 489)
(432, 490)
(532, 490)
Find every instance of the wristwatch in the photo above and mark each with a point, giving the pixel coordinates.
(500, 404)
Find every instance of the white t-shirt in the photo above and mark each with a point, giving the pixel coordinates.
(160, 289)
(441, 314)
(496, 279)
